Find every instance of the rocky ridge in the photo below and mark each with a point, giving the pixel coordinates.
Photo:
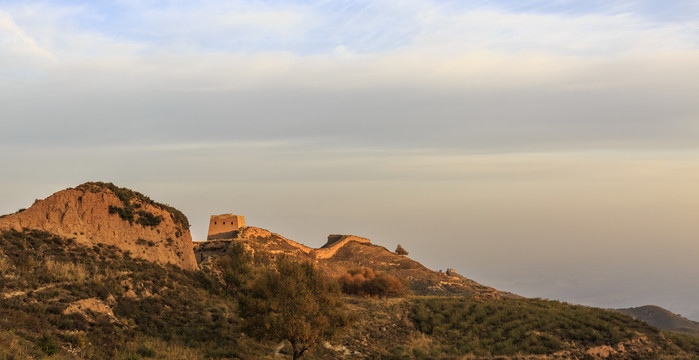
(102, 213)
(345, 252)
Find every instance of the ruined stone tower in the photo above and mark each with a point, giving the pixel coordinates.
(222, 226)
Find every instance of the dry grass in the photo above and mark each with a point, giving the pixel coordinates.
(5, 265)
(14, 347)
(144, 347)
(65, 271)
(162, 350)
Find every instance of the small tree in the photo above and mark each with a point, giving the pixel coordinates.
(400, 250)
(294, 302)
(234, 268)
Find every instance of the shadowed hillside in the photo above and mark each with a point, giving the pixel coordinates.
(663, 319)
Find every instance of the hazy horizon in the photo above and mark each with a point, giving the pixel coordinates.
(544, 148)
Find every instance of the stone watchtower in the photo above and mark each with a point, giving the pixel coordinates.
(222, 226)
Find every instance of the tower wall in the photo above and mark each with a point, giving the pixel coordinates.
(222, 226)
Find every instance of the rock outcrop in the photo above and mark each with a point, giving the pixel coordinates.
(102, 213)
(87, 307)
(638, 348)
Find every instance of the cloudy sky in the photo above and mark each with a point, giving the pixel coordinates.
(549, 148)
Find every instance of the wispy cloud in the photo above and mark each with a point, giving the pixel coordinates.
(17, 47)
(581, 35)
(364, 27)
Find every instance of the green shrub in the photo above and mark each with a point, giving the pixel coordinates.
(687, 343)
(234, 268)
(400, 250)
(420, 354)
(146, 218)
(126, 213)
(145, 351)
(47, 345)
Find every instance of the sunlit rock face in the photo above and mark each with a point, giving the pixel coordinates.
(98, 213)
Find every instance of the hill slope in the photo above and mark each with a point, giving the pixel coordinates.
(662, 319)
(63, 300)
(60, 299)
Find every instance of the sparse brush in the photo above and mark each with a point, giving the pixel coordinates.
(14, 347)
(5, 265)
(127, 195)
(147, 347)
(365, 282)
(65, 271)
(506, 327)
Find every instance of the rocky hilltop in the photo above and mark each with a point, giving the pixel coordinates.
(346, 252)
(102, 213)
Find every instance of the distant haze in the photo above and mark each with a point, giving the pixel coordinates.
(545, 149)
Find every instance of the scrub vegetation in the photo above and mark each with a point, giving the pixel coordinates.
(511, 326)
(262, 305)
(366, 282)
(164, 307)
(128, 210)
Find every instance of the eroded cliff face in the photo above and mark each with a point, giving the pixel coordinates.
(95, 213)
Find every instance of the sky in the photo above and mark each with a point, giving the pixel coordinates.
(547, 148)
